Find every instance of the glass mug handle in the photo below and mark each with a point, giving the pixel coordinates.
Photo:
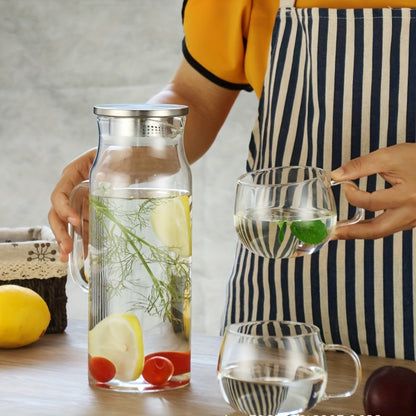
(77, 259)
(359, 212)
(357, 365)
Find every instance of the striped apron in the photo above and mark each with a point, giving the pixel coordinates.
(339, 84)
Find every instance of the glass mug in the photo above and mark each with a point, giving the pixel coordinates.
(133, 251)
(287, 211)
(276, 367)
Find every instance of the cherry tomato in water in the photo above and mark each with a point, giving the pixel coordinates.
(157, 370)
(181, 360)
(101, 369)
(391, 391)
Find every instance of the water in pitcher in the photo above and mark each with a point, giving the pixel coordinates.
(284, 232)
(139, 261)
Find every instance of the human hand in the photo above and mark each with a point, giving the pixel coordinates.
(61, 212)
(396, 165)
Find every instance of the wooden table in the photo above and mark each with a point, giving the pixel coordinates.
(50, 378)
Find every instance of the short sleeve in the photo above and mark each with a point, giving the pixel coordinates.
(215, 39)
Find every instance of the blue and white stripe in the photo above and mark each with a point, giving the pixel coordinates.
(340, 83)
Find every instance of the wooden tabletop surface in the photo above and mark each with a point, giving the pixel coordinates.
(49, 377)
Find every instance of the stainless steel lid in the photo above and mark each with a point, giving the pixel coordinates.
(141, 110)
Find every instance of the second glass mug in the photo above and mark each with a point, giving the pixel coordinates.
(132, 252)
(287, 211)
(276, 367)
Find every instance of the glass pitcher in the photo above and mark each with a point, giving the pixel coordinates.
(133, 252)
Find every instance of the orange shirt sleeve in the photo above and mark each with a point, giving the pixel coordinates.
(228, 41)
(215, 39)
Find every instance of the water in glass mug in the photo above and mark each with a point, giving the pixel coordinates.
(265, 388)
(139, 260)
(284, 232)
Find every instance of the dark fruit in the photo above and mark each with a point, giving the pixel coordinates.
(391, 391)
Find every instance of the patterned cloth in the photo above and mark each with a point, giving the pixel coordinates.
(27, 253)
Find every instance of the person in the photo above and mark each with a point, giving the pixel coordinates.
(336, 82)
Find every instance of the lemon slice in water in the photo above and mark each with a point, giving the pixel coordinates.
(171, 222)
(119, 338)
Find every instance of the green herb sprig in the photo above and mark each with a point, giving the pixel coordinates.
(123, 248)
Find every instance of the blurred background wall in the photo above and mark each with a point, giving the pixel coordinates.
(59, 58)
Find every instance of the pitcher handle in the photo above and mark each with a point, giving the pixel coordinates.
(78, 258)
(359, 212)
(357, 365)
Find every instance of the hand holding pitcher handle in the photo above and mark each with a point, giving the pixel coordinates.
(77, 261)
(61, 212)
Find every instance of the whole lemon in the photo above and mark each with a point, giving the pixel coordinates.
(24, 316)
